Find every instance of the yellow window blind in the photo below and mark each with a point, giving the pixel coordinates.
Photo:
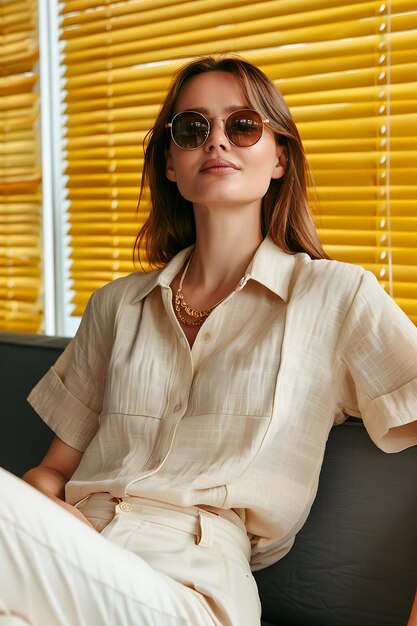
(347, 72)
(20, 171)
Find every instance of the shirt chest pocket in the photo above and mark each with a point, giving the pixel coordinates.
(138, 383)
(240, 380)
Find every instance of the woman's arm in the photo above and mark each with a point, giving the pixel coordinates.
(412, 621)
(54, 471)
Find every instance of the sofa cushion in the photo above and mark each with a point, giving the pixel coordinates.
(355, 560)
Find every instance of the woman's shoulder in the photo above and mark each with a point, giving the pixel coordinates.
(331, 278)
(327, 270)
(127, 289)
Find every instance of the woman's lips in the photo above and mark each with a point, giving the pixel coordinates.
(218, 166)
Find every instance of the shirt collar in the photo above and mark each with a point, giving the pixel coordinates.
(270, 266)
(164, 276)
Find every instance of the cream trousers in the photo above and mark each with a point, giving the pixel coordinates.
(144, 565)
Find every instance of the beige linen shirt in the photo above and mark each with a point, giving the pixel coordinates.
(240, 421)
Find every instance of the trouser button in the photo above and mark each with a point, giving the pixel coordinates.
(125, 506)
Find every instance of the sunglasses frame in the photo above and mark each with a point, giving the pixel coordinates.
(209, 124)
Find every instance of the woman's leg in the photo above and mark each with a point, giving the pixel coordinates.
(56, 571)
(7, 619)
(195, 547)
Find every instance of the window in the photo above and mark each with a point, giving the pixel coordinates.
(21, 305)
(347, 72)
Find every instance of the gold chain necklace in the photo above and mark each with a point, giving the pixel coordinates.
(180, 303)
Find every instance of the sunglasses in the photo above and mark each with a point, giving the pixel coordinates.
(190, 130)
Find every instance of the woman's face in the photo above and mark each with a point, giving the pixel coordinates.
(242, 176)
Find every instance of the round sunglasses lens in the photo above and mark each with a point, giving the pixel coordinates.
(244, 128)
(189, 130)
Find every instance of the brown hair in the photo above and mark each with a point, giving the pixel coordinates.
(285, 216)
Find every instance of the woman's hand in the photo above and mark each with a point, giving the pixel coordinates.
(54, 471)
(71, 509)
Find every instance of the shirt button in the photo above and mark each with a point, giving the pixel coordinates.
(207, 336)
(125, 507)
(177, 408)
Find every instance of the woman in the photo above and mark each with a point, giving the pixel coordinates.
(193, 406)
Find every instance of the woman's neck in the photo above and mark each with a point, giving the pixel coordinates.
(225, 244)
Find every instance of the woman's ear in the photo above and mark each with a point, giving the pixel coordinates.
(281, 163)
(169, 168)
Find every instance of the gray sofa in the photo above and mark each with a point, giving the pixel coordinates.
(354, 563)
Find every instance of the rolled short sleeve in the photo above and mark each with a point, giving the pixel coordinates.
(69, 397)
(378, 352)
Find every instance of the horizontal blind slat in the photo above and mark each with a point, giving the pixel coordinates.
(331, 63)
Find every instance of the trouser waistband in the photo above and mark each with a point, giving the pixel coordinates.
(206, 523)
